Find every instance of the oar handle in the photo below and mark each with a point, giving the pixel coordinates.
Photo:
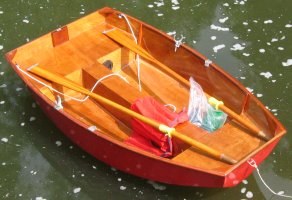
(165, 129)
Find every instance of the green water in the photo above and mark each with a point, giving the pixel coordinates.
(37, 161)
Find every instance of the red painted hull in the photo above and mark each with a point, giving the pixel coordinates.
(116, 155)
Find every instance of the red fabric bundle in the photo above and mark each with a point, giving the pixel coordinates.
(149, 138)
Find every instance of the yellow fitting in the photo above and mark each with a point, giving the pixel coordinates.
(215, 103)
(166, 130)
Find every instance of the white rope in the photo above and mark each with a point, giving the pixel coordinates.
(137, 57)
(252, 163)
(65, 95)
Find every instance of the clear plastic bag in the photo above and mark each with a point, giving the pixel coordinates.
(200, 112)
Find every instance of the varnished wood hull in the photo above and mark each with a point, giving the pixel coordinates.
(189, 168)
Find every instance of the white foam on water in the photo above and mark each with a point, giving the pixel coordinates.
(274, 40)
(218, 47)
(58, 143)
(249, 194)
(243, 190)
(4, 140)
(237, 47)
(123, 187)
(156, 185)
(22, 124)
(3, 85)
(1, 47)
(171, 33)
(262, 50)
(25, 21)
(281, 48)
(268, 21)
(31, 119)
(175, 7)
(194, 41)
(213, 38)
(226, 4)
(2, 102)
(249, 89)
(246, 54)
(266, 74)
(223, 20)
(245, 23)
(150, 6)
(259, 95)
(39, 198)
(175, 2)
(288, 25)
(288, 63)
(250, 64)
(160, 14)
(160, 3)
(218, 28)
(76, 190)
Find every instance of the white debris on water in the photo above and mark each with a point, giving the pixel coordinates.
(25, 21)
(156, 185)
(288, 63)
(249, 195)
(288, 25)
(268, 21)
(226, 4)
(249, 89)
(22, 124)
(259, 95)
(31, 119)
(2, 102)
(160, 14)
(245, 23)
(266, 74)
(76, 190)
(262, 50)
(218, 28)
(3, 86)
(281, 48)
(150, 6)
(40, 198)
(213, 38)
(1, 47)
(160, 3)
(175, 4)
(274, 40)
(243, 190)
(58, 143)
(237, 47)
(223, 20)
(246, 54)
(218, 47)
(123, 187)
(4, 140)
(171, 33)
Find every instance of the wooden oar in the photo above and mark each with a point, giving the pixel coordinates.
(120, 37)
(163, 128)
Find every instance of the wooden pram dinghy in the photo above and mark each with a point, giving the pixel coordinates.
(99, 51)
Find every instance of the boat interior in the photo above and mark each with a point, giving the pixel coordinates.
(82, 53)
